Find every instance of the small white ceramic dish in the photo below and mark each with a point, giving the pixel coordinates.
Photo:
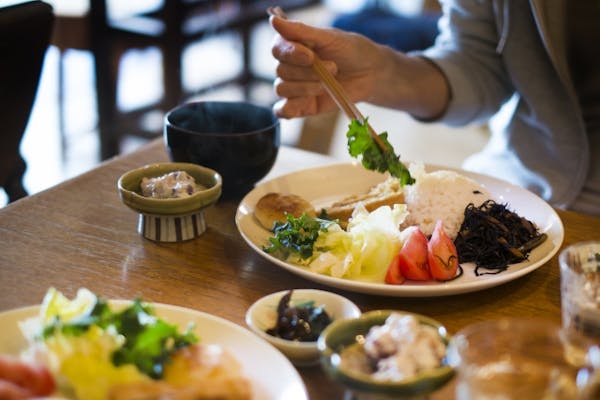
(262, 315)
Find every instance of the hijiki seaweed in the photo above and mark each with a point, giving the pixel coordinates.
(301, 322)
(493, 237)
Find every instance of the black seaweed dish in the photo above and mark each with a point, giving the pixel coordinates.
(493, 237)
(300, 322)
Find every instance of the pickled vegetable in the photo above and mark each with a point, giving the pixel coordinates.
(301, 322)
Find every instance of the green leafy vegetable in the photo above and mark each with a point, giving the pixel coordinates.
(296, 236)
(149, 341)
(360, 143)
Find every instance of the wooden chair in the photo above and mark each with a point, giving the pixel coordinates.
(171, 26)
(25, 30)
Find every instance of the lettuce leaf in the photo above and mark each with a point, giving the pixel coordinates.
(148, 342)
(365, 249)
(360, 143)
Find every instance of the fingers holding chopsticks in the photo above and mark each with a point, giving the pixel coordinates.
(297, 47)
(294, 41)
(306, 100)
(302, 91)
(298, 86)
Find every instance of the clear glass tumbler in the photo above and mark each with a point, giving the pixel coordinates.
(580, 288)
(510, 359)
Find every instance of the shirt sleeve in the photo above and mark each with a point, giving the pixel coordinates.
(468, 54)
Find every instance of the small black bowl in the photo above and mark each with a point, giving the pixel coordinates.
(239, 140)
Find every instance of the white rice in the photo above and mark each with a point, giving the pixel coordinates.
(440, 195)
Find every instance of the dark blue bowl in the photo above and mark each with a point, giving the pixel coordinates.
(239, 140)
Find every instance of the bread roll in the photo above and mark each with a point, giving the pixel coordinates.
(273, 207)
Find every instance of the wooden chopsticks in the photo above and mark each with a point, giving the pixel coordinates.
(335, 90)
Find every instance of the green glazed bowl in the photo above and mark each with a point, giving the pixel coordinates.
(131, 195)
(170, 220)
(343, 333)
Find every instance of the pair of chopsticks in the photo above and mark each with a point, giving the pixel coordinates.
(335, 90)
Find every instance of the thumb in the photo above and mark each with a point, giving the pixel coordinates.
(297, 31)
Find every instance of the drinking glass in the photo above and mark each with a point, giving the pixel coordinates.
(510, 359)
(580, 288)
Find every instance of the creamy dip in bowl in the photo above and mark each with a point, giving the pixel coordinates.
(170, 199)
(363, 355)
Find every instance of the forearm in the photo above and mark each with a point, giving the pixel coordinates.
(409, 83)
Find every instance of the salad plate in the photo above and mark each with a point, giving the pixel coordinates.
(323, 185)
(271, 374)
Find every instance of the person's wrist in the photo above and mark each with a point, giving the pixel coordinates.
(437, 83)
(415, 85)
(385, 76)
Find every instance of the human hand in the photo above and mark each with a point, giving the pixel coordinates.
(350, 57)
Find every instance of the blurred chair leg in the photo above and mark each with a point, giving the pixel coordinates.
(318, 131)
(106, 74)
(106, 90)
(246, 74)
(14, 182)
(25, 30)
(172, 72)
(62, 123)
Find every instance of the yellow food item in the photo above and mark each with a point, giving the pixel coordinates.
(78, 339)
(56, 304)
(84, 366)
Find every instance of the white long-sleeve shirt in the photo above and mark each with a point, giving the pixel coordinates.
(514, 52)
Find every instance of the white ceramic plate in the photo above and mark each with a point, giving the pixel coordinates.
(272, 375)
(323, 185)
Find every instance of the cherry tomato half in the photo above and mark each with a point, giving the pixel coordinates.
(442, 254)
(413, 256)
(393, 276)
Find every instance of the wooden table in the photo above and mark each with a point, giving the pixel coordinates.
(79, 234)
